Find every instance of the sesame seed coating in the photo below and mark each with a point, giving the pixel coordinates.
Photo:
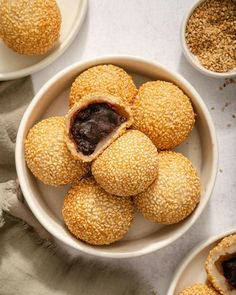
(30, 27)
(47, 155)
(107, 79)
(174, 194)
(94, 216)
(164, 113)
(199, 289)
(128, 166)
(226, 248)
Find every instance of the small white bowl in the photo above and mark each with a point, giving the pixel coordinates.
(192, 271)
(14, 65)
(192, 59)
(46, 202)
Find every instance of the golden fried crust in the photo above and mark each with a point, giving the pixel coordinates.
(107, 79)
(95, 216)
(174, 194)
(47, 155)
(117, 104)
(30, 27)
(199, 289)
(128, 166)
(226, 247)
(164, 113)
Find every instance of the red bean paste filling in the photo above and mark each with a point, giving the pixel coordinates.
(93, 124)
(229, 269)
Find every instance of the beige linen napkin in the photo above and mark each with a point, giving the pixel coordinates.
(29, 261)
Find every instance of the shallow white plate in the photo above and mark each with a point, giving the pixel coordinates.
(192, 270)
(14, 65)
(46, 202)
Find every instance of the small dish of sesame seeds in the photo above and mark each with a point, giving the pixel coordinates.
(209, 268)
(33, 34)
(95, 194)
(208, 37)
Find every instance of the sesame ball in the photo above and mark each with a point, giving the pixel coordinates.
(107, 79)
(95, 216)
(164, 113)
(128, 166)
(94, 124)
(220, 266)
(174, 194)
(199, 289)
(30, 27)
(47, 155)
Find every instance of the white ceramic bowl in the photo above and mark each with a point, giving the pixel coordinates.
(191, 57)
(46, 202)
(14, 65)
(191, 270)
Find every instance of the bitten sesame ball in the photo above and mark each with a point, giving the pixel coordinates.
(128, 166)
(30, 27)
(199, 289)
(47, 155)
(164, 113)
(174, 194)
(221, 265)
(93, 123)
(94, 216)
(107, 79)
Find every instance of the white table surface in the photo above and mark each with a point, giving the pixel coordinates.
(151, 29)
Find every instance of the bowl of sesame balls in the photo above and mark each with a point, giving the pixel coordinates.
(117, 156)
(208, 37)
(209, 269)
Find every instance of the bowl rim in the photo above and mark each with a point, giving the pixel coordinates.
(20, 150)
(54, 55)
(187, 53)
(195, 251)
